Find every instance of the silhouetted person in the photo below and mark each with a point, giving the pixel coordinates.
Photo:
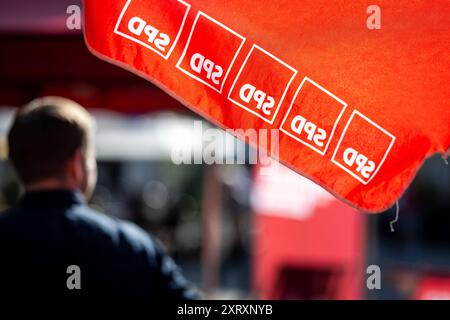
(52, 228)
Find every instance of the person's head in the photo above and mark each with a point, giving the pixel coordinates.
(51, 146)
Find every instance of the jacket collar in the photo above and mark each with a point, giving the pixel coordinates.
(52, 198)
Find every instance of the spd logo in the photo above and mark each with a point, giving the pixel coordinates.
(313, 116)
(362, 148)
(210, 52)
(262, 84)
(153, 24)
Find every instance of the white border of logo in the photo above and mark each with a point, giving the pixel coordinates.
(335, 123)
(365, 182)
(167, 55)
(200, 13)
(284, 93)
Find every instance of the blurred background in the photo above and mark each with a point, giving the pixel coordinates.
(236, 230)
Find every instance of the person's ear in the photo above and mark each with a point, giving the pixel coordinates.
(75, 169)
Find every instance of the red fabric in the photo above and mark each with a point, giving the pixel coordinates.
(432, 287)
(385, 92)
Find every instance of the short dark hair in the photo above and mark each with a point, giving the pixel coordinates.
(45, 134)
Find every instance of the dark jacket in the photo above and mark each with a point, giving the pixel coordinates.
(51, 230)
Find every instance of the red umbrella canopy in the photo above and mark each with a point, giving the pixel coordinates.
(358, 104)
